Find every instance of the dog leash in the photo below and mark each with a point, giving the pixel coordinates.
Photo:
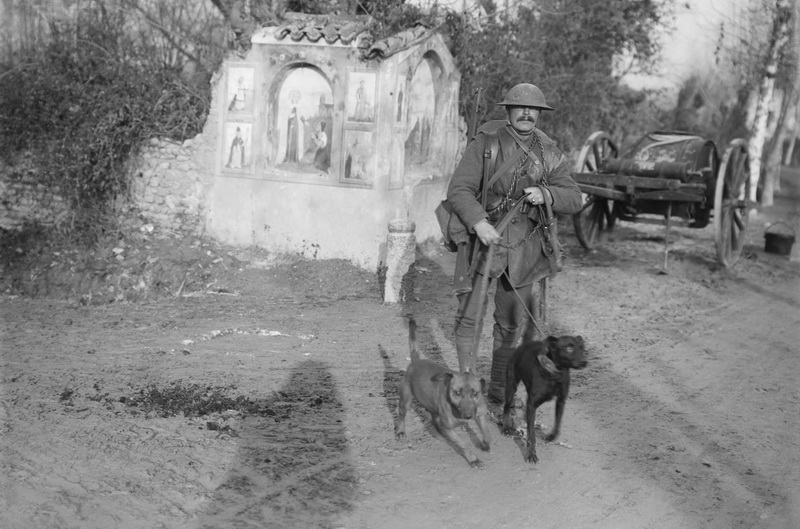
(525, 305)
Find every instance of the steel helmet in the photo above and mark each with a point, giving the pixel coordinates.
(525, 95)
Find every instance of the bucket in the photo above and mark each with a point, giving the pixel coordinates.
(778, 243)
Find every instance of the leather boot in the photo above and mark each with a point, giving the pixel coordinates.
(497, 382)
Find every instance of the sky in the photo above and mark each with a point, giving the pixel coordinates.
(689, 46)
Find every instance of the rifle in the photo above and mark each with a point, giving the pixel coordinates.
(473, 124)
(462, 282)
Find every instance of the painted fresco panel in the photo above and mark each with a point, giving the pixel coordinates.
(359, 157)
(361, 96)
(420, 116)
(304, 123)
(240, 90)
(238, 141)
(400, 114)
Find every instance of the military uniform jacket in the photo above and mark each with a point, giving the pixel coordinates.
(521, 249)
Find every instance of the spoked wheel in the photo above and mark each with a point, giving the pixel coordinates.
(597, 218)
(731, 202)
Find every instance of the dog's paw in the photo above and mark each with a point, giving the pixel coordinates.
(532, 458)
(551, 437)
(484, 445)
(400, 436)
(477, 463)
(509, 432)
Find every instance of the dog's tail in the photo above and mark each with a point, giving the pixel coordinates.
(412, 340)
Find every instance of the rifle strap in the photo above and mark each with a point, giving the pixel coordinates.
(490, 156)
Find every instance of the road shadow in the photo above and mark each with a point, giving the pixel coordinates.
(429, 297)
(293, 466)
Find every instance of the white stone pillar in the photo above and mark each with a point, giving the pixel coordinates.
(401, 249)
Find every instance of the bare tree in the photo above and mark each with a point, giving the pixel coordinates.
(778, 40)
(789, 154)
(184, 35)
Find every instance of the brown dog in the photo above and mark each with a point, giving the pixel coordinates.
(452, 399)
(544, 369)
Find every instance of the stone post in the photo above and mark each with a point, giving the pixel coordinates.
(401, 249)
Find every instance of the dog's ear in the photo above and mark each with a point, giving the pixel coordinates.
(483, 385)
(444, 375)
(552, 344)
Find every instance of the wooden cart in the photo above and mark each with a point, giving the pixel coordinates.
(665, 178)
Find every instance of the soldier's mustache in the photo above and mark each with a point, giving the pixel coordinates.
(526, 118)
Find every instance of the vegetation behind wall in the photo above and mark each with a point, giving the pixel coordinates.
(570, 49)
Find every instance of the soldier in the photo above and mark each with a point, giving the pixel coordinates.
(527, 159)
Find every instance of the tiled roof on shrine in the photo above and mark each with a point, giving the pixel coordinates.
(398, 42)
(345, 29)
(332, 28)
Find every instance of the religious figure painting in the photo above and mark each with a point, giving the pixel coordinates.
(240, 89)
(237, 145)
(304, 122)
(402, 105)
(358, 157)
(361, 96)
(419, 116)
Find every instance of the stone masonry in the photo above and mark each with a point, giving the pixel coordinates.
(23, 200)
(170, 182)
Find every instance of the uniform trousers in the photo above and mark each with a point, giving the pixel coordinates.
(510, 321)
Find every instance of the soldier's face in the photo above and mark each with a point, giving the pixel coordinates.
(523, 119)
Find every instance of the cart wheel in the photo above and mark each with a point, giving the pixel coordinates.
(597, 218)
(731, 206)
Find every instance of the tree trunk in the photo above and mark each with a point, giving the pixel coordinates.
(787, 159)
(795, 129)
(772, 167)
(781, 29)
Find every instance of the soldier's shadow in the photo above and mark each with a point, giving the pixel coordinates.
(293, 466)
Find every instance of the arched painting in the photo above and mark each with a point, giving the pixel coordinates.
(304, 122)
(420, 115)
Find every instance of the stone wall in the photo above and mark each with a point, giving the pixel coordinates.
(169, 185)
(24, 200)
(170, 182)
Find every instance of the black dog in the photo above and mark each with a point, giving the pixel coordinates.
(544, 368)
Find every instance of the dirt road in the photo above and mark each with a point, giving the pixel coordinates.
(268, 402)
